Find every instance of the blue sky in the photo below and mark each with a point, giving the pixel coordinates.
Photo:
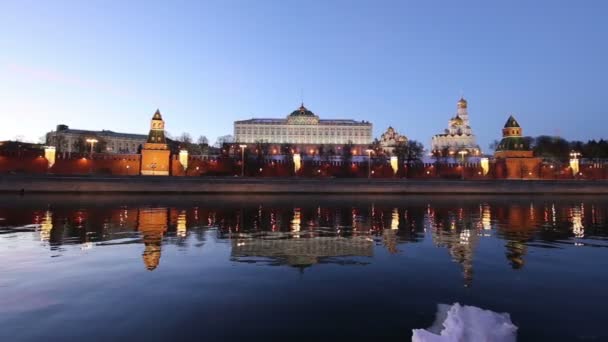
(110, 64)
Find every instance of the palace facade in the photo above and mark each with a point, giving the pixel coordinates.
(458, 136)
(303, 127)
(67, 139)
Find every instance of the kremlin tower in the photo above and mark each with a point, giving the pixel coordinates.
(155, 155)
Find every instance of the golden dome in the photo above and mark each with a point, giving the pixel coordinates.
(462, 103)
(457, 121)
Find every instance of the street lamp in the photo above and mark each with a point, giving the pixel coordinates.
(462, 154)
(369, 162)
(242, 159)
(574, 164)
(92, 141)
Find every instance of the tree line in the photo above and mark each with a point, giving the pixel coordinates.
(558, 148)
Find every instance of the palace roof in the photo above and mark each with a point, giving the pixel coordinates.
(104, 133)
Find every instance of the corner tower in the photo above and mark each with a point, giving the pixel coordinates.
(155, 155)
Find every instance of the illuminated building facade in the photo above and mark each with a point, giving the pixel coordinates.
(458, 136)
(155, 156)
(303, 127)
(66, 139)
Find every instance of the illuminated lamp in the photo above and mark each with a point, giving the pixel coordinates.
(49, 154)
(394, 164)
(183, 158)
(485, 165)
(297, 162)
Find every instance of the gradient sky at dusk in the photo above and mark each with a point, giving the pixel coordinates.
(110, 64)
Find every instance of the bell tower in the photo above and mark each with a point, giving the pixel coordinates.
(155, 155)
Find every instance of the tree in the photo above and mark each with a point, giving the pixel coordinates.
(202, 144)
(415, 151)
(551, 147)
(185, 138)
(224, 139)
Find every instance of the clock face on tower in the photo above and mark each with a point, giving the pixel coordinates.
(157, 124)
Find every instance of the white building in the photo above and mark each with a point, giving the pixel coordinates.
(303, 127)
(66, 139)
(390, 139)
(458, 136)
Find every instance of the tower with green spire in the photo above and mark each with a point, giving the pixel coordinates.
(514, 154)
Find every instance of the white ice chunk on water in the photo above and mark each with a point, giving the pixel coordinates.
(463, 323)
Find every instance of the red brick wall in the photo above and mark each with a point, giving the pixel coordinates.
(34, 163)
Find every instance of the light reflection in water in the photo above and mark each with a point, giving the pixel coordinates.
(271, 231)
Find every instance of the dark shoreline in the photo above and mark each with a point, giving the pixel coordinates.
(222, 185)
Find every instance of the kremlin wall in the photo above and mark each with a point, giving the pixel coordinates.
(511, 160)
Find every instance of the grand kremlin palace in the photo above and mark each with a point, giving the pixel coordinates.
(303, 128)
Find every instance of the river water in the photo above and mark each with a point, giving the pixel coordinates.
(357, 268)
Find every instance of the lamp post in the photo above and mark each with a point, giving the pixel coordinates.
(369, 162)
(242, 159)
(574, 164)
(153, 167)
(462, 154)
(92, 141)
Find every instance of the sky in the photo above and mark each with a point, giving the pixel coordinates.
(204, 64)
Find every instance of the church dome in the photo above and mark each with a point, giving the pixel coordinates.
(456, 121)
(462, 103)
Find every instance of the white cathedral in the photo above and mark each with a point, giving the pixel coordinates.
(458, 136)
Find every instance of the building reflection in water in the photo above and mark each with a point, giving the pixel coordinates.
(309, 233)
(299, 252)
(456, 232)
(152, 224)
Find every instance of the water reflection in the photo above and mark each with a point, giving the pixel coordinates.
(308, 232)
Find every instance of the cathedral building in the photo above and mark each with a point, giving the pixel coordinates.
(458, 136)
(390, 139)
(303, 127)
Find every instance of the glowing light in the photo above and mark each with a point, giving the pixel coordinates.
(183, 158)
(296, 221)
(574, 165)
(297, 162)
(49, 154)
(46, 226)
(485, 165)
(394, 164)
(486, 218)
(395, 219)
(181, 224)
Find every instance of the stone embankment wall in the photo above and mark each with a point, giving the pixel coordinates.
(92, 184)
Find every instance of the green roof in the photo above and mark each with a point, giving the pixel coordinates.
(302, 111)
(513, 144)
(511, 122)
